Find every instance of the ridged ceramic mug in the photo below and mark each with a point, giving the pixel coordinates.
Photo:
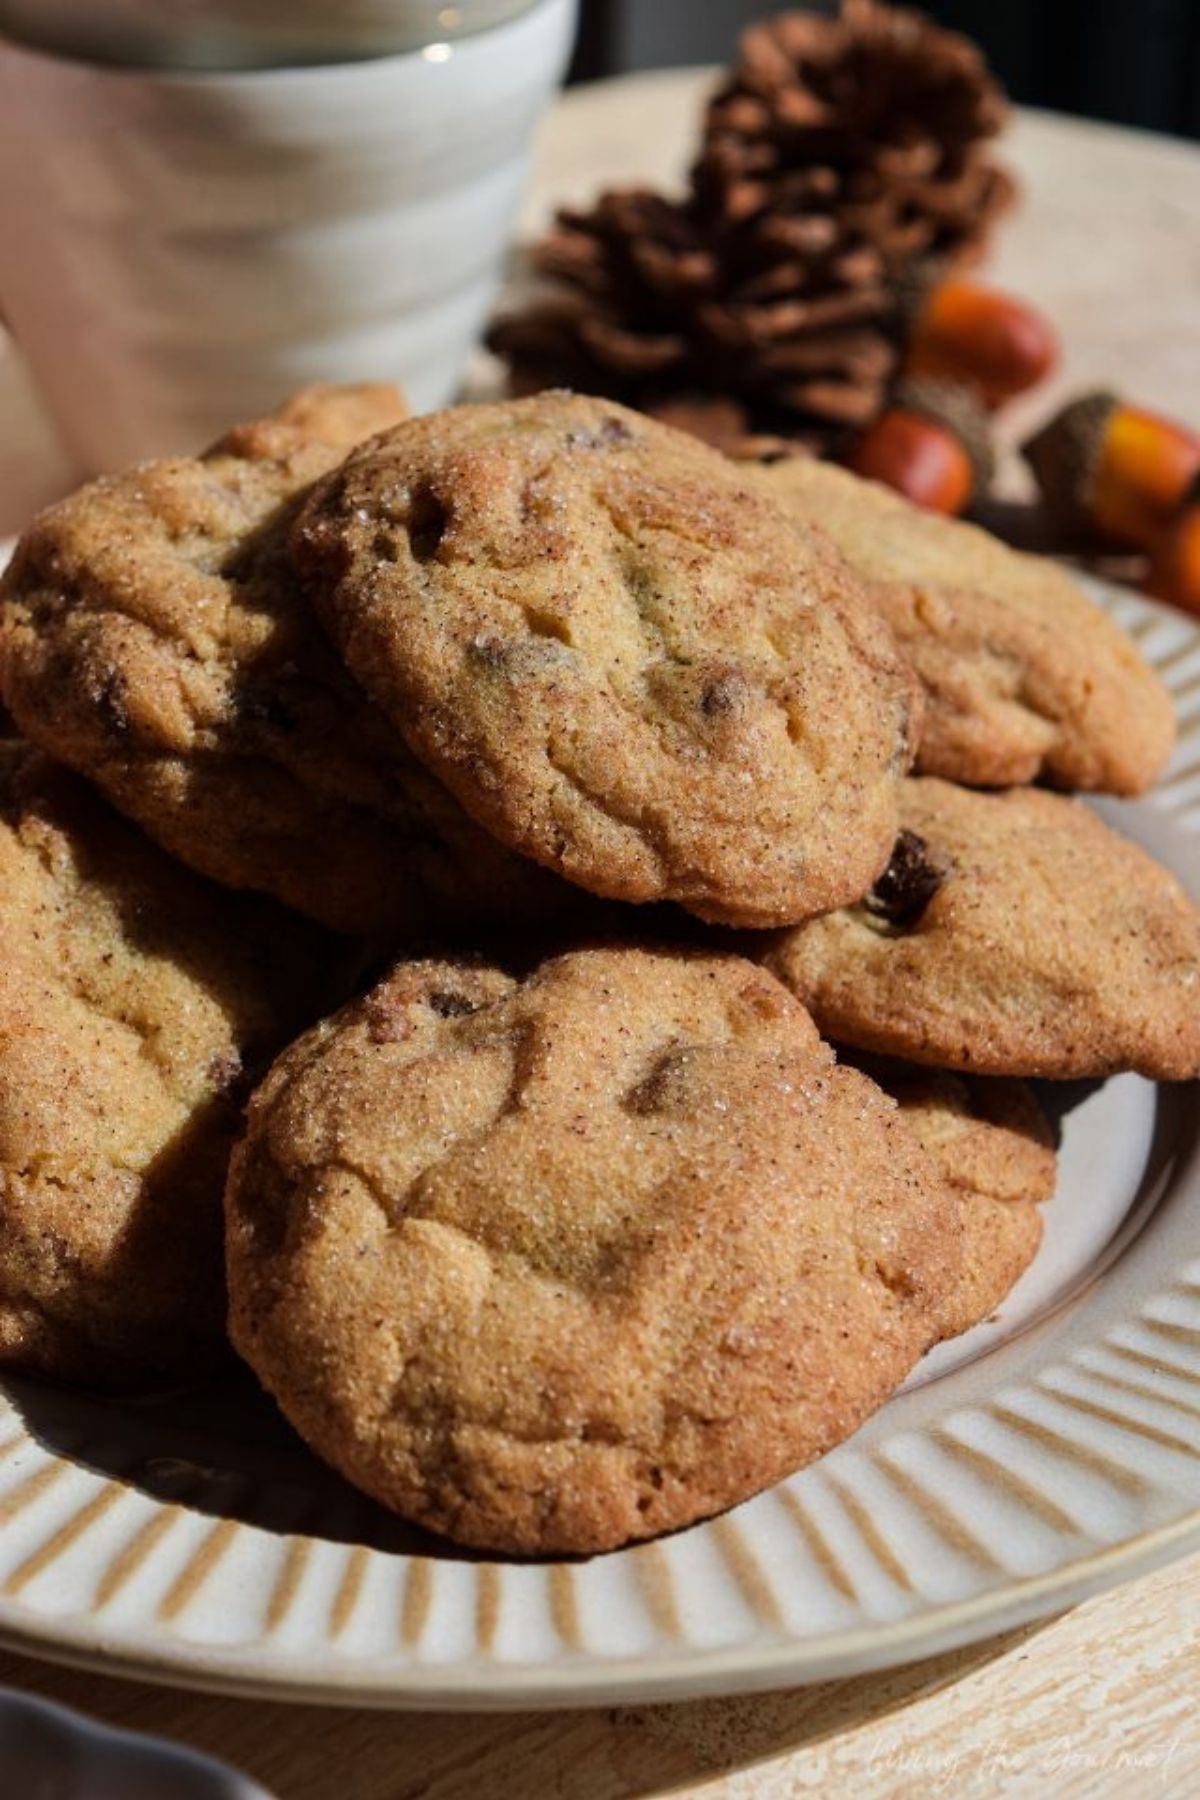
(182, 250)
(239, 34)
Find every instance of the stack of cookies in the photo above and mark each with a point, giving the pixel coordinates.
(661, 1093)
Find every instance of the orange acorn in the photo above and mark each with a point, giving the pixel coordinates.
(968, 333)
(930, 445)
(1114, 471)
(1174, 572)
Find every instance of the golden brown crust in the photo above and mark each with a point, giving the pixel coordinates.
(343, 414)
(1024, 677)
(992, 1144)
(611, 648)
(133, 1000)
(153, 636)
(1049, 946)
(554, 1263)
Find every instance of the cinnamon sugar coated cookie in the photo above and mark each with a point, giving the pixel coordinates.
(134, 1001)
(1023, 676)
(553, 1263)
(612, 648)
(992, 1144)
(1012, 934)
(153, 636)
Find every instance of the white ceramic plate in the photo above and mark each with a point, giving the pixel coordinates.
(1049, 1454)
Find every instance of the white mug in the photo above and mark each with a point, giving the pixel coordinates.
(227, 34)
(181, 250)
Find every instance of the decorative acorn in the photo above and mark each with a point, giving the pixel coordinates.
(931, 445)
(978, 337)
(1115, 472)
(1174, 572)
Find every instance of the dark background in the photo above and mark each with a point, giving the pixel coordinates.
(1134, 61)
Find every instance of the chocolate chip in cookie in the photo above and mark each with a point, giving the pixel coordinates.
(1013, 934)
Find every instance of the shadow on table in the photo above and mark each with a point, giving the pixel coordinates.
(711, 1738)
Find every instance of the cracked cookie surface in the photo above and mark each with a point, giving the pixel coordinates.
(609, 645)
(1041, 943)
(153, 636)
(555, 1262)
(134, 1000)
(1024, 677)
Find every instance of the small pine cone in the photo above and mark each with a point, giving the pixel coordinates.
(626, 276)
(652, 306)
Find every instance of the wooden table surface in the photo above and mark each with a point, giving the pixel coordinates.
(1099, 1702)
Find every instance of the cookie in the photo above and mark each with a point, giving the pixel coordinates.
(555, 1262)
(337, 414)
(1012, 934)
(1024, 678)
(611, 648)
(153, 637)
(135, 999)
(992, 1144)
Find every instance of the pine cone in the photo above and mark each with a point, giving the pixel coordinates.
(840, 157)
(875, 117)
(626, 273)
(658, 306)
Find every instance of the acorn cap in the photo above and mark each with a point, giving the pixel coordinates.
(913, 288)
(958, 410)
(1064, 456)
